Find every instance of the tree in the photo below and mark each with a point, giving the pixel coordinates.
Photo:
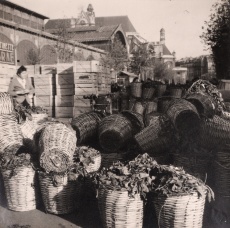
(141, 58)
(34, 56)
(161, 71)
(116, 57)
(216, 35)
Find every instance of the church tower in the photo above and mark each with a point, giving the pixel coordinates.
(162, 36)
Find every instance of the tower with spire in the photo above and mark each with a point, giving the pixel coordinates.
(162, 36)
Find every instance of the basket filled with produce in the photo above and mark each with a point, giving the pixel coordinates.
(176, 91)
(6, 103)
(184, 116)
(114, 131)
(86, 126)
(61, 193)
(89, 157)
(136, 89)
(10, 133)
(19, 181)
(57, 144)
(178, 197)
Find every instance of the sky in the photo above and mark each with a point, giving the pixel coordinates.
(181, 19)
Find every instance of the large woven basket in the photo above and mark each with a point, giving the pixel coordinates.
(196, 165)
(204, 104)
(63, 198)
(118, 210)
(139, 107)
(176, 92)
(57, 145)
(86, 126)
(222, 173)
(154, 138)
(10, 133)
(6, 103)
(147, 93)
(136, 119)
(184, 116)
(19, 188)
(150, 106)
(163, 104)
(161, 89)
(214, 132)
(181, 211)
(38, 119)
(114, 131)
(136, 89)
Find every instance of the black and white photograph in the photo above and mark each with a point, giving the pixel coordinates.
(115, 114)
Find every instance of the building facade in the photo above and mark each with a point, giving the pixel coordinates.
(22, 30)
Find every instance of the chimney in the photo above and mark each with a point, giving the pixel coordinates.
(162, 36)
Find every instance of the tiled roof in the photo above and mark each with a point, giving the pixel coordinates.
(102, 33)
(52, 24)
(166, 50)
(126, 24)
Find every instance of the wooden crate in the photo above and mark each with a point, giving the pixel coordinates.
(80, 110)
(85, 91)
(5, 79)
(4, 88)
(86, 66)
(65, 90)
(64, 68)
(47, 101)
(45, 90)
(71, 101)
(85, 77)
(43, 79)
(32, 69)
(65, 79)
(70, 112)
(48, 69)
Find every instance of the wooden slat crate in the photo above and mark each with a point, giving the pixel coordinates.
(71, 101)
(70, 112)
(85, 91)
(32, 69)
(47, 101)
(48, 69)
(45, 90)
(85, 77)
(4, 88)
(80, 110)
(65, 90)
(64, 68)
(43, 79)
(5, 80)
(86, 66)
(65, 79)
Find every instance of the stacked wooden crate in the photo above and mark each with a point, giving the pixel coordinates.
(44, 92)
(6, 74)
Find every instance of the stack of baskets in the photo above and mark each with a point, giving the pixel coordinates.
(136, 89)
(6, 103)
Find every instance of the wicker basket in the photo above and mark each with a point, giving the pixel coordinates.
(118, 210)
(176, 92)
(10, 133)
(196, 165)
(19, 188)
(184, 116)
(154, 138)
(6, 103)
(57, 145)
(151, 106)
(28, 129)
(214, 133)
(63, 198)
(139, 107)
(179, 211)
(163, 104)
(147, 93)
(222, 173)
(39, 119)
(150, 118)
(205, 105)
(136, 89)
(136, 119)
(161, 89)
(86, 126)
(114, 131)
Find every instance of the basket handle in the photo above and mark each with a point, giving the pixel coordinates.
(221, 165)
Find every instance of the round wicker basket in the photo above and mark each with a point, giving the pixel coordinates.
(6, 103)
(63, 198)
(151, 106)
(57, 145)
(147, 93)
(139, 107)
(19, 188)
(179, 211)
(161, 89)
(136, 89)
(86, 126)
(176, 92)
(114, 131)
(10, 133)
(28, 129)
(117, 209)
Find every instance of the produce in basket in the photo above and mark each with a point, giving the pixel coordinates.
(89, 157)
